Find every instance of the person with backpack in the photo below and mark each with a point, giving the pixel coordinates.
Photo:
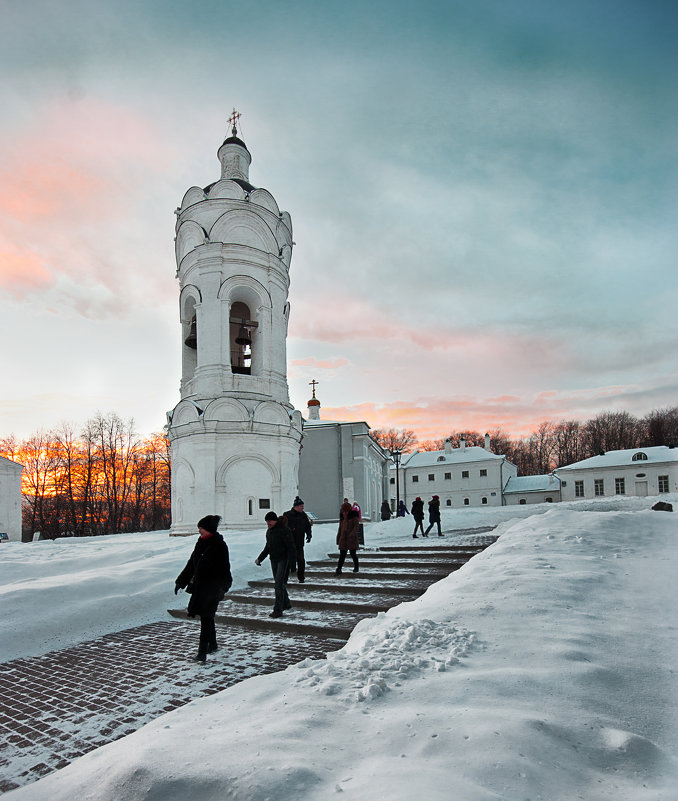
(281, 551)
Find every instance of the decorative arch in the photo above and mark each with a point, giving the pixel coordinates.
(228, 189)
(639, 457)
(186, 308)
(247, 290)
(190, 235)
(185, 412)
(262, 197)
(194, 195)
(240, 460)
(226, 410)
(272, 413)
(243, 227)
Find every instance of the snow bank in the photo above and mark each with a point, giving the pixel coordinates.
(543, 669)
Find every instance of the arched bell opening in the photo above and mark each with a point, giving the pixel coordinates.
(241, 333)
(189, 336)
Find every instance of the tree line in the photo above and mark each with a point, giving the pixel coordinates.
(102, 479)
(552, 444)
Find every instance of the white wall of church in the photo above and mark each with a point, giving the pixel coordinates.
(10, 498)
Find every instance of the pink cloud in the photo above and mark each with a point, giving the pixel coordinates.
(320, 364)
(517, 416)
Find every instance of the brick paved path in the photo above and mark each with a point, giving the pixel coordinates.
(57, 707)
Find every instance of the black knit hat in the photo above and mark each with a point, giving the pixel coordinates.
(297, 502)
(210, 523)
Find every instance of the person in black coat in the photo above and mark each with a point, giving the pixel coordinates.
(281, 551)
(300, 526)
(418, 515)
(207, 576)
(385, 511)
(434, 515)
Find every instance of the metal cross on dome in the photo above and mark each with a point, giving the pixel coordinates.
(233, 120)
(313, 384)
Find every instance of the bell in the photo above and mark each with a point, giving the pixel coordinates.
(243, 337)
(191, 340)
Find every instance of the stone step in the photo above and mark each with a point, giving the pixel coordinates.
(325, 600)
(280, 624)
(355, 586)
(442, 550)
(383, 573)
(369, 560)
(397, 561)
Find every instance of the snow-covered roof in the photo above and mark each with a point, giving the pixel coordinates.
(521, 484)
(625, 458)
(456, 456)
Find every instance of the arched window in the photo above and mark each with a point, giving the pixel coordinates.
(448, 502)
(240, 326)
(522, 501)
(441, 458)
(466, 502)
(484, 500)
(639, 457)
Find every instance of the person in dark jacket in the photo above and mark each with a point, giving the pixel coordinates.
(402, 509)
(385, 511)
(207, 576)
(434, 515)
(418, 515)
(300, 526)
(281, 551)
(347, 540)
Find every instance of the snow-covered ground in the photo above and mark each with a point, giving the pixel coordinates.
(544, 669)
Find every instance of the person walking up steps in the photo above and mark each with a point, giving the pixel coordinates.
(207, 576)
(282, 553)
(347, 540)
(418, 515)
(434, 515)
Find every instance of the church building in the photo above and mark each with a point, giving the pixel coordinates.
(234, 436)
(341, 460)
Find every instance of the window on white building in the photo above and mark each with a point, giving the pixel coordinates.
(415, 479)
(663, 483)
(431, 477)
(392, 481)
(464, 473)
(466, 502)
(598, 486)
(448, 502)
(639, 457)
(448, 476)
(620, 486)
(578, 489)
(483, 473)
(484, 500)
(441, 458)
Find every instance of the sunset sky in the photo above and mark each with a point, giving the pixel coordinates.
(483, 195)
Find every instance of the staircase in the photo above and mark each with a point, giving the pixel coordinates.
(330, 606)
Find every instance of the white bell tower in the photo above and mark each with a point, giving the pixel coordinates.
(234, 435)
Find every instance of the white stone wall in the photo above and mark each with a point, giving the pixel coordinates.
(10, 498)
(640, 479)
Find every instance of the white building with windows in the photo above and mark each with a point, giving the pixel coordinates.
(341, 460)
(464, 476)
(531, 489)
(234, 435)
(634, 471)
(10, 499)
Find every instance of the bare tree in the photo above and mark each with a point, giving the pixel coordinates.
(660, 427)
(395, 439)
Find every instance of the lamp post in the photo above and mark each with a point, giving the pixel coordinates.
(396, 459)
